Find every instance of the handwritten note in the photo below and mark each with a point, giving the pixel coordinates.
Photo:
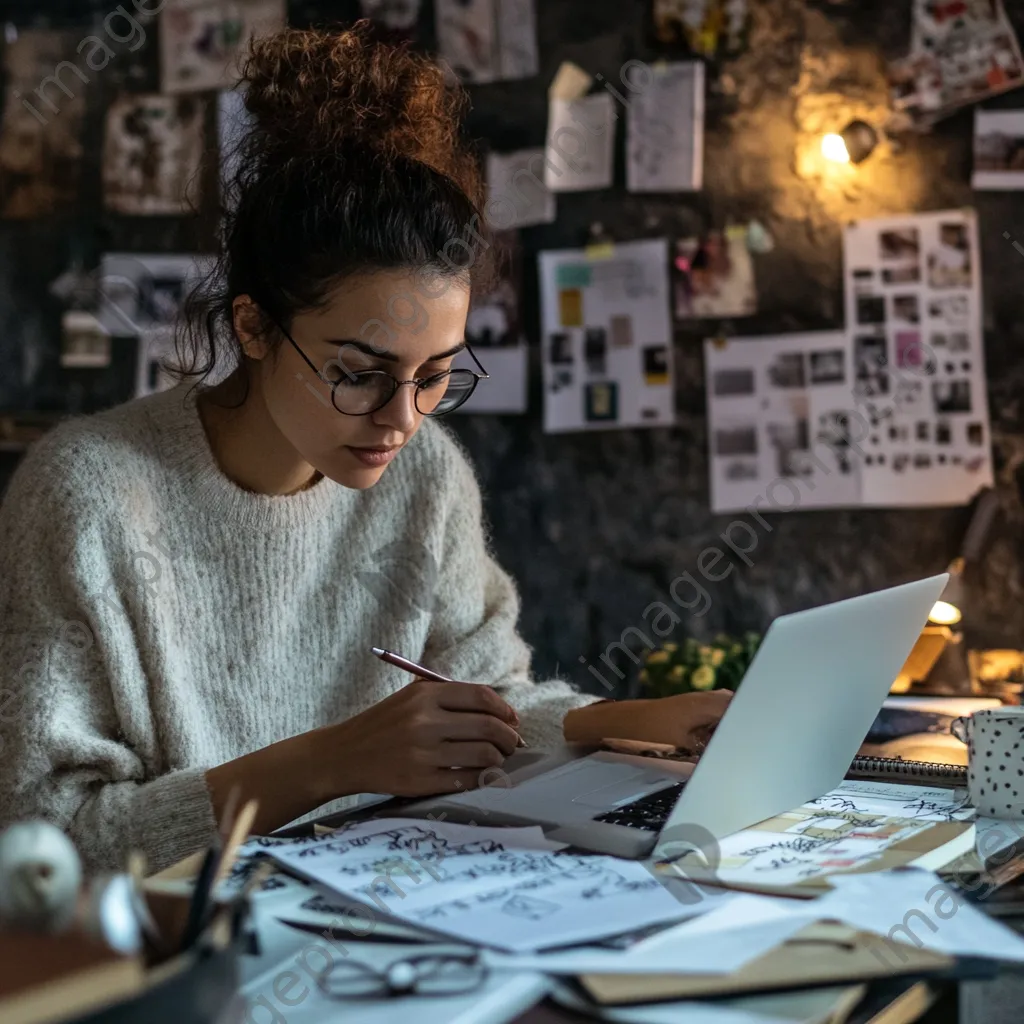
(665, 133)
(509, 889)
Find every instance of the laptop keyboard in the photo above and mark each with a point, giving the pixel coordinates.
(649, 812)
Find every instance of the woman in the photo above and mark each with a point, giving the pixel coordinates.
(192, 582)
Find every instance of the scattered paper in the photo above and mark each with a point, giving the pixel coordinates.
(487, 40)
(960, 53)
(707, 27)
(606, 337)
(517, 196)
(579, 150)
(715, 275)
(152, 150)
(845, 830)
(731, 931)
(504, 888)
(917, 908)
(998, 150)
(43, 119)
(201, 41)
(665, 129)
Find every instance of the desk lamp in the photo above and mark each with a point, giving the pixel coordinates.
(950, 670)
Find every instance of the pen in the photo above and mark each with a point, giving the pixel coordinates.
(418, 670)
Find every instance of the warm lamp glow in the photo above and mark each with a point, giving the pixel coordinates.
(944, 614)
(834, 148)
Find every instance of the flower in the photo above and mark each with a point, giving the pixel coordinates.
(703, 678)
(717, 657)
(657, 657)
(705, 654)
(676, 673)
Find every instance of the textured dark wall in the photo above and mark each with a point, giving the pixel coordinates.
(596, 526)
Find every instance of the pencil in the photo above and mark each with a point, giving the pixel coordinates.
(424, 673)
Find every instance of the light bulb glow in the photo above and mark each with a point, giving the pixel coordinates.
(944, 614)
(834, 148)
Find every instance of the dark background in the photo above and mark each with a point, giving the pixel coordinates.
(594, 526)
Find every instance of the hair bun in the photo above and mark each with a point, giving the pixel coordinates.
(315, 92)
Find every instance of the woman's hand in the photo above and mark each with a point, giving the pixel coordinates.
(427, 738)
(685, 720)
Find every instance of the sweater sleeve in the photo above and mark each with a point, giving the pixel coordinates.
(74, 704)
(473, 626)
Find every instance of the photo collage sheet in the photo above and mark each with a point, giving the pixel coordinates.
(890, 412)
(607, 337)
(913, 307)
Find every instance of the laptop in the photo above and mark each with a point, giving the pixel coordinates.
(789, 735)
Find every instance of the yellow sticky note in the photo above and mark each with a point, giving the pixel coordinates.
(600, 251)
(570, 307)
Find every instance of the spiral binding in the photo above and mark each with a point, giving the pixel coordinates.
(897, 766)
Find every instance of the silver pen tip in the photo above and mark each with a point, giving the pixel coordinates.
(378, 651)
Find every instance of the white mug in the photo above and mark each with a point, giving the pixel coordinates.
(995, 767)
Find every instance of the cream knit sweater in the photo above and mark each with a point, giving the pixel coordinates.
(156, 620)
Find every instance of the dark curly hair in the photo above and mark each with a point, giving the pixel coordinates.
(353, 163)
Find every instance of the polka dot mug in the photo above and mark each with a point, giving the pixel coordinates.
(995, 748)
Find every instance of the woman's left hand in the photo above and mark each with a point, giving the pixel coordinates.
(685, 720)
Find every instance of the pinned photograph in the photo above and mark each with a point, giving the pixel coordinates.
(516, 194)
(714, 276)
(787, 370)
(601, 402)
(959, 341)
(922, 460)
(740, 469)
(952, 395)
(864, 282)
(201, 41)
(620, 329)
(729, 383)
(560, 349)
(903, 244)
(905, 308)
(791, 442)
(595, 350)
(909, 350)
(656, 364)
(975, 433)
(487, 40)
(949, 263)
(951, 309)
(152, 149)
(923, 431)
(570, 307)
(998, 150)
(560, 379)
(83, 342)
(141, 292)
(494, 320)
(872, 365)
(828, 367)
(871, 309)
(909, 273)
(736, 440)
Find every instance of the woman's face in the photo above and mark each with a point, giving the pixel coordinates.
(380, 321)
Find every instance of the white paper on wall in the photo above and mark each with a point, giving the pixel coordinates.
(606, 337)
(579, 147)
(665, 128)
(913, 309)
(517, 196)
(485, 41)
(201, 41)
(998, 150)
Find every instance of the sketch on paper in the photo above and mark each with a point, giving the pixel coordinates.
(202, 40)
(152, 151)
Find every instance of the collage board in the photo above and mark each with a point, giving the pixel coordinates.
(892, 411)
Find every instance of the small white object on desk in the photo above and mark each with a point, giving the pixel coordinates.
(40, 876)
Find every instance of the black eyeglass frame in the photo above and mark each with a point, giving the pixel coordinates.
(421, 384)
(386, 986)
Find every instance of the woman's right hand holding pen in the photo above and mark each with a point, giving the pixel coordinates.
(426, 738)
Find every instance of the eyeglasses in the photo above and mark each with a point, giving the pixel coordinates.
(361, 392)
(446, 974)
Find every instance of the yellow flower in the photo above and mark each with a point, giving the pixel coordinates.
(717, 657)
(643, 675)
(703, 678)
(705, 654)
(657, 657)
(676, 673)
(671, 648)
